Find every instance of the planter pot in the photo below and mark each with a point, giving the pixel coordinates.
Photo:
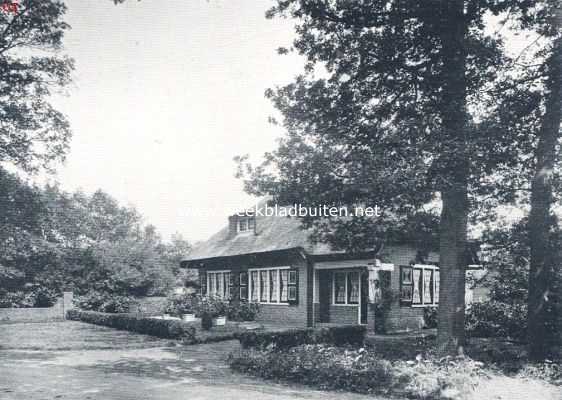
(188, 317)
(219, 321)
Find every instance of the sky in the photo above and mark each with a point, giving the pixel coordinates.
(164, 95)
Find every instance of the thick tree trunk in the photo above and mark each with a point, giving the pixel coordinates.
(454, 170)
(542, 318)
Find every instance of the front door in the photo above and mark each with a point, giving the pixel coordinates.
(364, 297)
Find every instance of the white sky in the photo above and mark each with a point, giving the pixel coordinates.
(165, 94)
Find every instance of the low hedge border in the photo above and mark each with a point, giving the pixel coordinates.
(337, 336)
(167, 329)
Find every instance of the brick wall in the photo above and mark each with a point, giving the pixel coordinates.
(345, 315)
(54, 313)
(293, 314)
(402, 318)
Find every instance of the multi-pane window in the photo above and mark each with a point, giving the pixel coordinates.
(273, 285)
(346, 287)
(246, 224)
(419, 285)
(219, 283)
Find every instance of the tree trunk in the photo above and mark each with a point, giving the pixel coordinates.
(541, 317)
(454, 169)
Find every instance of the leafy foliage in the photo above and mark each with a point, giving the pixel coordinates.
(340, 335)
(361, 370)
(86, 243)
(33, 133)
(104, 302)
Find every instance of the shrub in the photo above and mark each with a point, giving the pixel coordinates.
(340, 335)
(430, 317)
(178, 304)
(105, 302)
(362, 371)
(213, 306)
(497, 319)
(242, 311)
(169, 329)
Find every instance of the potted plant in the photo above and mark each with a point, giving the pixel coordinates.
(212, 311)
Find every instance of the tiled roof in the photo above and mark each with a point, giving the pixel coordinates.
(272, 233)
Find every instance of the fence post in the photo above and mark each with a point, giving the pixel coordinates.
(67, 303)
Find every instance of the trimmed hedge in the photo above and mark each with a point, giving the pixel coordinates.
(337, 335)
(168, 329)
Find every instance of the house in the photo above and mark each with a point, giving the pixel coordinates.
(270, 260)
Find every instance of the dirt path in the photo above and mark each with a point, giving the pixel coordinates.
(72, 360)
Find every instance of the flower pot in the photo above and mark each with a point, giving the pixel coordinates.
(188, 317)
(219, 321)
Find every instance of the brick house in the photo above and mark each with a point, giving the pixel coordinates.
(271, 261)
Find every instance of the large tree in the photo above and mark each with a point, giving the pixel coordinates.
(389, 112)
(33, 133)
(544, 239)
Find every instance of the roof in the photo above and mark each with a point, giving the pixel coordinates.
(272, 234)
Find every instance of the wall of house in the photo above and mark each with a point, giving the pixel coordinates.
(299, 314)
(402, 318)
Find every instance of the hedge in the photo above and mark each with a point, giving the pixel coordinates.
(168, 329)
(338, 335)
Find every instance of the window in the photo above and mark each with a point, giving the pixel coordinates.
(243, 285)
(246, 224)
(254, 286)
(419, 285)
(219, 284)
(346, 287)
(273, 285)
(339, 288)
(283, 277)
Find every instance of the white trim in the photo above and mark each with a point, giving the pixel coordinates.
(361, 263)
(278, 269)
(345, 273)
(424, 267)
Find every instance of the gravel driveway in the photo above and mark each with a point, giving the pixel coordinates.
(73, 360)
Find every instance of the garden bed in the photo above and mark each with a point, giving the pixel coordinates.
(187, 332)
(402, 367)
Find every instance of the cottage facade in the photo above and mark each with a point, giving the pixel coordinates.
(271, 261)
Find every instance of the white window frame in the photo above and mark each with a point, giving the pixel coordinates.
(268, 285)
(424, 267)
(246, 222)
(346, 303)
(225, 284)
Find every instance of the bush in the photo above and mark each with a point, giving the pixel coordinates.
(178, 304)
(169, 329)
(340, 335)
(497, 319)
(242, 311)
(430, 317)
(362, 371)
(33, 296)
(105, 302)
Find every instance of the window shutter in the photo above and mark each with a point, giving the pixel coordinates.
(293, 286)
(243, 285)
(406, 285)
(203, 282)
